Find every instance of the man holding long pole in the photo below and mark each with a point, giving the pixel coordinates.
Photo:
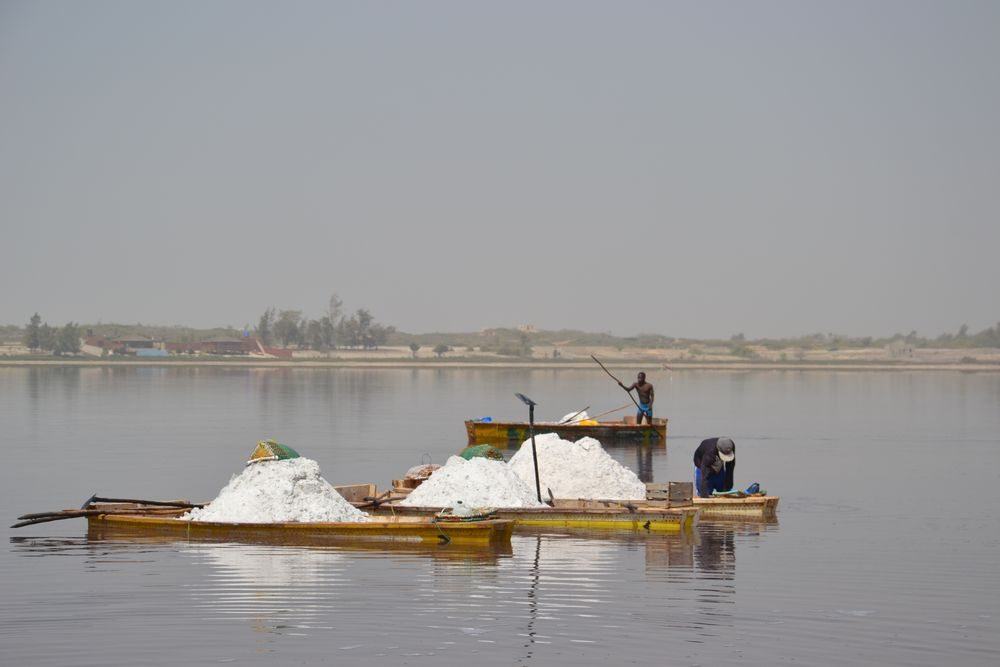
(646, 397)
(645, 390)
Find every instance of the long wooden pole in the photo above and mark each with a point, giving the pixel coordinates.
(567, 421)
(137, 501)
(616, 380)
(603, 414)
(534, 450)
(74, 514)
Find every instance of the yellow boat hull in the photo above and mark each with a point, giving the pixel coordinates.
(398, 529)
(512, 434)
(673, 520)
(751, 508)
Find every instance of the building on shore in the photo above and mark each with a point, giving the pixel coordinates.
(215, 346)
(98, 346)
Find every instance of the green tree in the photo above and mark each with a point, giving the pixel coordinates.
(46, 338)
(440, 349)
(364, 328)
(378, 334)
(414, 348)
(348, 332)
(265, 327)
(32, 339)
(287, 328)
(67, 340)
(314, 335)
(328, 331)
(335, 309)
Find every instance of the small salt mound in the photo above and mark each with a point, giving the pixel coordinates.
(574, 417)
(580, 469)
(277, 491)
(478, 482)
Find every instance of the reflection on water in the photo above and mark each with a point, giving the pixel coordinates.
(275, 589)
(556, 587)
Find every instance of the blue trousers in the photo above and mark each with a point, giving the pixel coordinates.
(715, 482)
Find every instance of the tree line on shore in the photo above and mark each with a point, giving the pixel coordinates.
(39, 336)
(359, 330)
(333, 330)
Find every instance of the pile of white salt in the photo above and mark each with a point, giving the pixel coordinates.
(580, 469)
(278, 491)
(478, 482)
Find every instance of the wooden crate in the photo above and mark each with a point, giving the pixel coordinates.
(356, 493)
(674, 492)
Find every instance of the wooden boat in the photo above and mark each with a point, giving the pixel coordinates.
(508, 434)
(411, 529)
(593, 514)
(749, 508)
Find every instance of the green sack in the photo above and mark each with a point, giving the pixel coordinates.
(484, 451)
(269, 450)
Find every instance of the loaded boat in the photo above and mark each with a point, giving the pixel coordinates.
(162, 518)
(668, 507)
(512, 434)
(589, 514)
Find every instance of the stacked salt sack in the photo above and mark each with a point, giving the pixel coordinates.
(278, 491)
(478, 482)
(580, 469)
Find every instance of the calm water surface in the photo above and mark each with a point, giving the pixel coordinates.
(886, 551)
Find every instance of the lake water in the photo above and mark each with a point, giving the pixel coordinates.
(886, 549)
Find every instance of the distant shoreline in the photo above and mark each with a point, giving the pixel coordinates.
(654, 366)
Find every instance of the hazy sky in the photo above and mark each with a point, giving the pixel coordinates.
(684, 168)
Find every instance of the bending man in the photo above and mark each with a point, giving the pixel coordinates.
(646, 397)
(714, 462)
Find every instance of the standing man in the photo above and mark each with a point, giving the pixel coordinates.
(646, 396)
(714, 462)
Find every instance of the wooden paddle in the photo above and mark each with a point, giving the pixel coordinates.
(604, 414)
(151, 507)
(620, 384)
(161, 503)
(45, 517)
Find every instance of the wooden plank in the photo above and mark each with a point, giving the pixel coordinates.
(658, 491)
(356, 493)
(676, 492)
(680, 491)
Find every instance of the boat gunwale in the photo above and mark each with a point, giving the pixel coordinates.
(679, 511)
(749, 508)
(507, 433)
(722, 501)
(381, 523)
(658, 424)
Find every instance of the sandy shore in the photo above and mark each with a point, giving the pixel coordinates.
(652, 366)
